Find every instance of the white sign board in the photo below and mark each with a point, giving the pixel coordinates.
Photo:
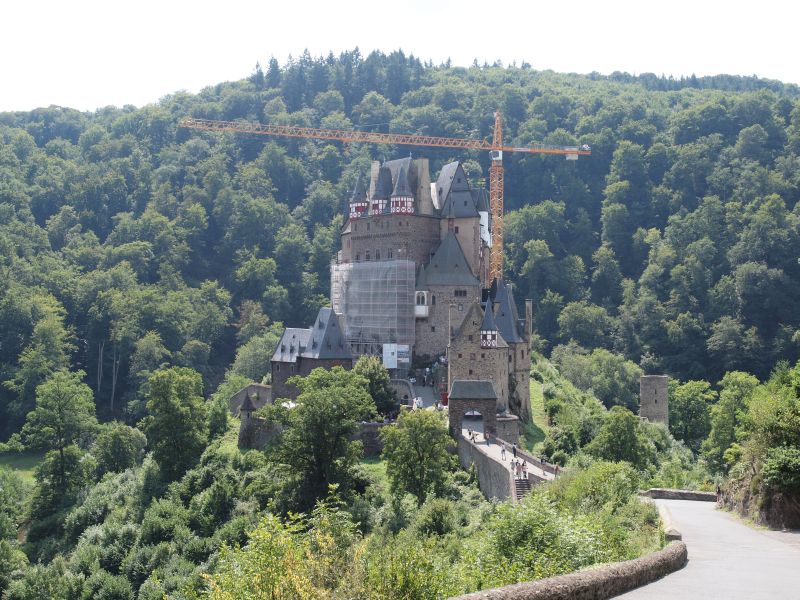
(390, 356)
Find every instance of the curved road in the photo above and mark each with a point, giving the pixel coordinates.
(727, 559)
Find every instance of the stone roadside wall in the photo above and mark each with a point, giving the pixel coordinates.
(667, 494)
(595, 584)
(494, 478)
(369, 434)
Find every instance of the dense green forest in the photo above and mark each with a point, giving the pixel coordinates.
(128, 243)
(146, 272)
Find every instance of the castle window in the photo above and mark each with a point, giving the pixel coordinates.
(433, 300)
(366, 257)
(277, 366)
(377, 254)
(358, 256)
(470, 371)
(469, 337)
(390, 253)
(456, 228)
(483, 355)
(460, 355)
(433, 328)
(420, 298)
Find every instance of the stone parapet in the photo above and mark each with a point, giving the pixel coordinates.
(668, 494)
(594, 584)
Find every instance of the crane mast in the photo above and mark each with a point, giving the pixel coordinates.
(495, 147)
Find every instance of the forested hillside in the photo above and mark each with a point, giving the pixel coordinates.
(128, 243)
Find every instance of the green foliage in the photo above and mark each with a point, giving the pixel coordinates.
(176, 428)
(118, 447)
(726, 417)
(614, 380)
(689, 411)
(781, 469)
(377, 375)
(315, 444)
(416, 453)
(621, 438)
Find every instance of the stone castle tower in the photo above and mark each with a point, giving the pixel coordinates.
(653, 398)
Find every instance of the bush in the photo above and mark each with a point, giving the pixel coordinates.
(781, 469)
(118, 447)
(436, 517)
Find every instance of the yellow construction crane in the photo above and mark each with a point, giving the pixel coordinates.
(495, 147)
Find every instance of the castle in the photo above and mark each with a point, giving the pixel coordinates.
(411, 282)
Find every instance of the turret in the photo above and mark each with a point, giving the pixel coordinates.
(402, 198)
(359, 204)
(488, 327)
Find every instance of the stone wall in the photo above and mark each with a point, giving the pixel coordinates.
(369, 434)
(508, 429)
(667, 494)
(281, 372)
(458, 407)
(431, 333)
(256, 432)
(469, 361)
(469, 238)
(403, 391)
(259, 395)
(494, 479)
(519, 385)
(653, 398)
(412, 237)
(595, 584)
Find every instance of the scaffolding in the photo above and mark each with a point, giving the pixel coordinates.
(375, 300)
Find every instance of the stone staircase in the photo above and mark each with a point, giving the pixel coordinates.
(522, 488)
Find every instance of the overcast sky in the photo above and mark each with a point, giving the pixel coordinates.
(90, 53)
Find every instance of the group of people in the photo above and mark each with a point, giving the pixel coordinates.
(472, 435)
(518, 467)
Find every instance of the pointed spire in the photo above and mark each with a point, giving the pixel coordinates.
(359, 191)
(401, 187)
(488, 323)
(488, 327)
(383, 186)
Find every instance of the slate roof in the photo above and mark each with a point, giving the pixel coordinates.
(247, 404)
(488, 317)
(293, 343)
(454, 193)
(397, 164)
(422, 279)
(507, 317)
(383, 185)
(401, 186)
(359, 192)
(478, 389)
(469, 325)
(481, 197)
(445, 179)
(327, 338)
(448, 265)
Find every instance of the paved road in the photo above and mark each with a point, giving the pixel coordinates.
(727, 559)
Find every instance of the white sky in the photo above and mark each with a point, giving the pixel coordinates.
(90, 53)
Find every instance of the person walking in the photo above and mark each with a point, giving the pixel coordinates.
(514, 450)
(503, 452)
(524, 470)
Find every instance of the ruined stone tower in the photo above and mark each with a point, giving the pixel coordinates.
(653, 399)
